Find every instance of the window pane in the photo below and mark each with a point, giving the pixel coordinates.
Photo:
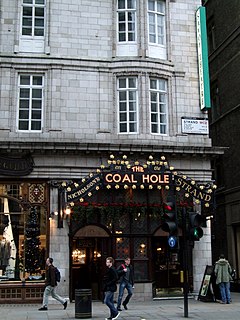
(122, 83)
(122, 106)
(39, 12)
(23, 125)
(121, 17)
(36, 114)
(35, 125)
(151, 5)
(123, 117)
(40, 1)
(154, 128)
(37, 81)
(154, 117)
(27, 11)
(132, 82)
(24, 93)
(121, 4)
(25, 80)
(37, 104)
(133, 127)
(132, 116)
(27, 22)
(122, 95)
(37, 93)
(122, 37)
(23, 114)
(39, 22)
(123, 127)
(39, 32)
(131, 4)
(24, 104)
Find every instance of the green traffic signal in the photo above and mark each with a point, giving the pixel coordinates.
(195, 223)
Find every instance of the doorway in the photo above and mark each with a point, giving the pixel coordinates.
(90, 247)
(167, 268)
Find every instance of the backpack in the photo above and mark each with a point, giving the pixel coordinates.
(57, 275)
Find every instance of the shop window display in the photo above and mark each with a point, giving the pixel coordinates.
(22, 236)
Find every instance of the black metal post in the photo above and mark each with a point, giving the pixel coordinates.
(185, 262)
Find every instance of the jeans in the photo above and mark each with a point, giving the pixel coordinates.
(108, 300)
(51, 290)
(122, 287)
(225, 291)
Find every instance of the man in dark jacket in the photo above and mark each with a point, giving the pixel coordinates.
(50, 288)
(109, 287)
(125, 272)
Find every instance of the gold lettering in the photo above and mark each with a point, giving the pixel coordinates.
(108, 177)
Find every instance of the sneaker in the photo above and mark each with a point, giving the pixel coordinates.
(108, 318)
(65, 305)
(118, 314)
(125, 306)
(44, 308)
(119, 309)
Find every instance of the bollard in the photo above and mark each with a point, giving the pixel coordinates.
(83, 303)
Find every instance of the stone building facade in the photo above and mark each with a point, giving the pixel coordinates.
(79, 82)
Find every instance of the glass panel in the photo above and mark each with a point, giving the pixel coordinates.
(154, 128)
(161, 6)
(27, 22)
(39, 12)
(122, 27)
(39, 22)
(37, 104)
(132, 82)
(28, 1)
(37, 80)
(26, 31)
(132, 116)
(123, 117)
(151, 5)
(36, 114)
(24, 104)
(154, 117)
(121, 16)
(132, 95)
(36, 125)
(131, 37)
(153, 84)
(40, 2)
(121, 4)
(163, 128)
(37, 93)
(27, 11)
(23, 125)
(132, 127)
(23, 114)
(122, 95)
(39, 32)
(153, 107)
(122, 83)
(25, 80)
(123, 127)
(122, 37)
(132, 106)
(131, 16)
(24, 93)
(131, 4)
(122, 106)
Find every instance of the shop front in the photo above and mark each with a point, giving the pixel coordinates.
(119, 211)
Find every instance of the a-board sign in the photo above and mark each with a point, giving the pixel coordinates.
(206, 290)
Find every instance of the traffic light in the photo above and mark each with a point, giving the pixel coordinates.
(170, 218)
(195, 223)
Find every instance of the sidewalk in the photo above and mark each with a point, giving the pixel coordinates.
(160, 309)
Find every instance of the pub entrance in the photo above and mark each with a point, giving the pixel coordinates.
(89, 249)
(167, 268)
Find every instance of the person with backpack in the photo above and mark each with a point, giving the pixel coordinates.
(126, 275)
(52, 275)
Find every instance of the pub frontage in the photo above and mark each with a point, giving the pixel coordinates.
(116, 209)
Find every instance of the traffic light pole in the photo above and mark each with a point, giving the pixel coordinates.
(185, 262)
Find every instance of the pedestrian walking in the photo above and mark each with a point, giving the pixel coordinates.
(51, 284)
(223, 272)
(126, 274)
(109, 287)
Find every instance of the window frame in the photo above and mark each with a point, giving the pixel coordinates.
(128, 89)
(34, 6)
(127, 11)
(31, 86)
(159, 114)
(156, 26)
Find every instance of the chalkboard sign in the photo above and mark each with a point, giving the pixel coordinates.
(206, 292)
